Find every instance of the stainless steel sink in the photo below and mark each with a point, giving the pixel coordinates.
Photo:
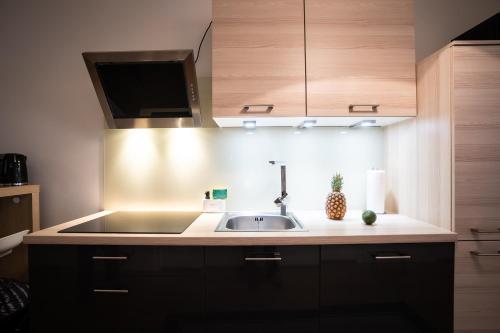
(259, 221)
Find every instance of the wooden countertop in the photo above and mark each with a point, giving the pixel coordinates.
(389, 228)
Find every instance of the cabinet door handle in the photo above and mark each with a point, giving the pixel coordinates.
(257, 108)
(111, 291)
(263, 259)
(480, 231)
(364, 108)
(109, 258)
(392, 257)
(480, 254)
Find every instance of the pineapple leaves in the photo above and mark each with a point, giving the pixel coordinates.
(337, 182)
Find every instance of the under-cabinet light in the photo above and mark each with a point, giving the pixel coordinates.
(308, 123)
(249, 124)
(365, 123)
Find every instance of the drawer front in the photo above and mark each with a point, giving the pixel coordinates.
(262, 280)
(477, 287)
(151, 304)
(380, 273)
(112, 266)
(390, 287)
(113, 262)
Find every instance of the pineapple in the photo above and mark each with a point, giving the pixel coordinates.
(335, 202)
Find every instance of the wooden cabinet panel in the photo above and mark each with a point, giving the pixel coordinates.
(360, 52)
(477, 287)
(258, 57)
(476, 97)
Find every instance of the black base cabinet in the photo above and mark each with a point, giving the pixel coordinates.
(116, 289)
(335, 288)
(387, 288)
(262, 289)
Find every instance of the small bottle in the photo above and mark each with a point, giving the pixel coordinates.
(213, 205)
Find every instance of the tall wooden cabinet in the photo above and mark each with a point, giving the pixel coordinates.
(298, 58)
(476, 106)
(459, 97)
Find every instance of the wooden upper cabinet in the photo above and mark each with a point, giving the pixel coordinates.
(360, 53)
(258, 58)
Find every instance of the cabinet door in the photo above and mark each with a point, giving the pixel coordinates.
(57, 305)
(477, 287)
(117, 289)
(360, 54)
(258, 58)
(476, 100)
(387, 288)
(264, 289)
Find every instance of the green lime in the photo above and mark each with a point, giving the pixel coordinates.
(369, 217)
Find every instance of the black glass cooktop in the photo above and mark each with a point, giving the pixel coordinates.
(137, 223)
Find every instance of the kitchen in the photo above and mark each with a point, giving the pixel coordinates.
(318, 87)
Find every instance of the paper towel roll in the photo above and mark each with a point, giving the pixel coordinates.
(375, 191)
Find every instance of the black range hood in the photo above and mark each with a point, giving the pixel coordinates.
(146, 89)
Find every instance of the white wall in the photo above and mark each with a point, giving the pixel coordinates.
(48, 107)
(172, 168)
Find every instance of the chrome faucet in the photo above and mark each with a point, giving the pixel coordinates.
(280, 201)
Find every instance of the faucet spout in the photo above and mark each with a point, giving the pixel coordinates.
(280, 201)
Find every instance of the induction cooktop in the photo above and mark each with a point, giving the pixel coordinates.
(137, 222)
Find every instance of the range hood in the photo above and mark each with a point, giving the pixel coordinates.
(146, 89)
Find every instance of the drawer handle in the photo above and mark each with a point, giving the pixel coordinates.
(111, 291)
(263, 259)
(479, 231)
(109, 258)
(371, 107)
(257, 108)
(392, 257)
(479, 254)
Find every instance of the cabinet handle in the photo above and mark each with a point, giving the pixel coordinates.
(479, 254)
(111, 291)
(479, 231)
(392, 257)
(109, 258)
(257, 108)
(263, 259)
(373, 107)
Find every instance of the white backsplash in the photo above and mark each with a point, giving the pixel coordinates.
(172, 168)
